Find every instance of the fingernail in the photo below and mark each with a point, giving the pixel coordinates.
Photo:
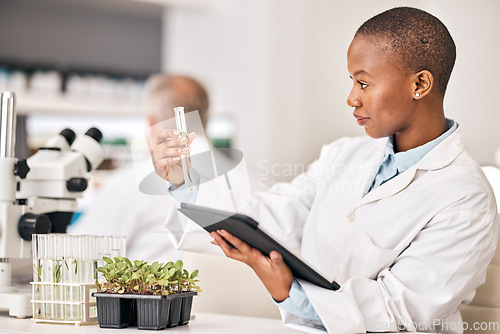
(185, 149)
(194, 133)
(176, 159)
(176, 132)
(183, 139)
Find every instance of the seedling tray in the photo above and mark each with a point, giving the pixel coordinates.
(144, 311)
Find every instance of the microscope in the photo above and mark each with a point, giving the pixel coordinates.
(38, 195)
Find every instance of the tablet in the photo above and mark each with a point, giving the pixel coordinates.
(247, 229)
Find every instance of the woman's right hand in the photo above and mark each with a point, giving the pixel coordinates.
(166, 147)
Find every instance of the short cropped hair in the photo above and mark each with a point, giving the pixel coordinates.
(165, 92)
(419, 39)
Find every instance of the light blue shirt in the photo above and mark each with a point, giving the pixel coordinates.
(392, 165)
(184, 195)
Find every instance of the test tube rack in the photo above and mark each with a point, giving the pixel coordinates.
(64, 275)
(81, 310)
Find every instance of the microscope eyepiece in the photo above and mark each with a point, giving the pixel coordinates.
(69, 135)
(94, 133)
(88, 145)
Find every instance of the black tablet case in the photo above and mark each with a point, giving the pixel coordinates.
(247, 229)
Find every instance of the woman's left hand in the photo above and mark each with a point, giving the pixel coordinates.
(272, 271)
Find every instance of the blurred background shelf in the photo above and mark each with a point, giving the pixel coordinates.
(27, 104)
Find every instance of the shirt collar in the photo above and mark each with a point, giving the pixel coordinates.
(406, 159)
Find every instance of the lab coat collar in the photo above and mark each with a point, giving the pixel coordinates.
(444, 153)
(439, 157)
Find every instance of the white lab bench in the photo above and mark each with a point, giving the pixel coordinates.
(203, 323)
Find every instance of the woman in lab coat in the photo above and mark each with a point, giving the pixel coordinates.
(404, 220)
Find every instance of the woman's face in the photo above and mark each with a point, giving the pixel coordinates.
(382, 92)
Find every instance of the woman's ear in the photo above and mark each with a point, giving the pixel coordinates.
(424, 81)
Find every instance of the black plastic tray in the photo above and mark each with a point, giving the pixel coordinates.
(144, 311)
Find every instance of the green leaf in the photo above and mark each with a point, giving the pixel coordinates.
(127, 261)
(57, 273)
(38, 271)
(178, 265)
(107, 260)
(154, 267)
(194, 274)
(139, 263)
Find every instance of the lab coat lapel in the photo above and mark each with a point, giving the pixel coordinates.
(369, 168)
(389, 188)
(439, 157)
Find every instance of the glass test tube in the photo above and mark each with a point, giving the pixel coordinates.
(180, 122)
(118, 245)
(66, 277)
(48, 275)
(38, 251)
(58, 276)
(38, 244)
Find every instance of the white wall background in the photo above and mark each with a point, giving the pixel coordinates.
(471, 97)
(280, 67)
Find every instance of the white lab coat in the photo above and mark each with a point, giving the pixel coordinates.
(407, 253)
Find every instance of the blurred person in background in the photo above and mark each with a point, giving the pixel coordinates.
(118, 207)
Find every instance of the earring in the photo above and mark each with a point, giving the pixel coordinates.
(417, 94)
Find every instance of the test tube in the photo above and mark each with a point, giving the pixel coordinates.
(39, 255)
(58, 276)
(180, 122)
(118, 245)
(102, 248)
(48, 275)
(38, 248)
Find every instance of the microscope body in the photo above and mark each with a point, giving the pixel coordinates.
(11, 245)
(38, 195)
(58, 174)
